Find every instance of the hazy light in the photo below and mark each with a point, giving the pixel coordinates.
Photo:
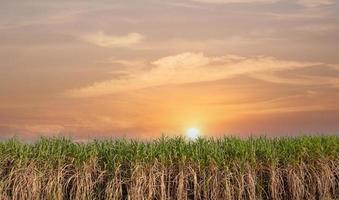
(193, 133)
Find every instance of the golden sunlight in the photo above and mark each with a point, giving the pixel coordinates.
(193, 133)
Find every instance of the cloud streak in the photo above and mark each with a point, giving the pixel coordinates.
(318, 28)
(305, 3)
(104, 40)
(189, 68)
(235, 1)
(315, 3)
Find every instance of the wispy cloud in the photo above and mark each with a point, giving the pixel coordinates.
(235, 1)
(104, 40)
(315, 3)
(61, 17)
(305, 80)
(189, 68)
(318, 28)
(306, 3)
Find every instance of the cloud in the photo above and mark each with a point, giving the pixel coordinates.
(300, 80)
(306, 3)
(315, 3)
(52, 19)
(102, 39)
(188, 67)
(318, 28)
(235, 1)
(184, 60)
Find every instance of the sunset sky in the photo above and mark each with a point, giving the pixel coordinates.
(143, 68)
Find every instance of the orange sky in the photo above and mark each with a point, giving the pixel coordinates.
(140, 69)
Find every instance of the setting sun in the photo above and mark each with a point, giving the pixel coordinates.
(193, 133)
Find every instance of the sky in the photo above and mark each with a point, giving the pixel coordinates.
(145, 68)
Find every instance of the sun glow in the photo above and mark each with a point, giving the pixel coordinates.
(192, 133)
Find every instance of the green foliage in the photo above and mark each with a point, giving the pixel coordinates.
(224, 152)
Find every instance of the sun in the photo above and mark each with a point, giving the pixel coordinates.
(193, 133)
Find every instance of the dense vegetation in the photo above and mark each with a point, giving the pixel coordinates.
(172, 168)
